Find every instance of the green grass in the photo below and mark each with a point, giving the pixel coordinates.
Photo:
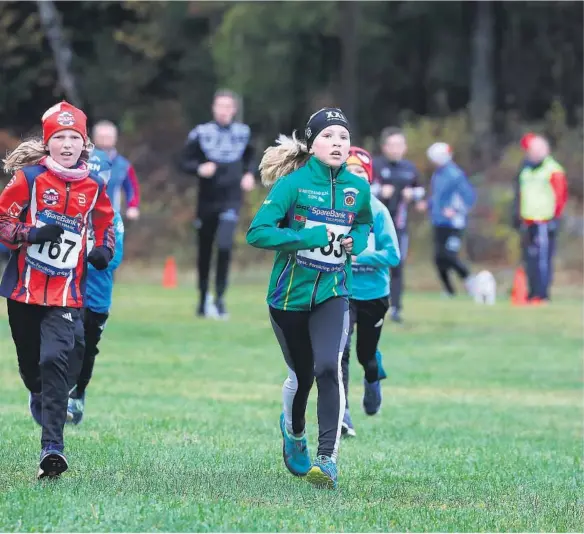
(481, 427)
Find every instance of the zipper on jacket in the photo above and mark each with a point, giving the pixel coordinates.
(333, 194)
(67, 189)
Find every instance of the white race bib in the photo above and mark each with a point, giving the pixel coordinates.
(332, 257)
(57, 259)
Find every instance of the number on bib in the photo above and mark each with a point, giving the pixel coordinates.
(56, 259)
(332, 257)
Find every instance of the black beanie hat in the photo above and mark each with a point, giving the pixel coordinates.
(323, 119)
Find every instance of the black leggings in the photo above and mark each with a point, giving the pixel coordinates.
(447, 243)
(368, 316)
(312, 344)
(221, 226)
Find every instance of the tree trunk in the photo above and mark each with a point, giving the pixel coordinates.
(53, 28)
(348, 33)
(482, 84)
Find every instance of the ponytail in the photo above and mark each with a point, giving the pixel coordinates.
(31, 151)
(285, 157)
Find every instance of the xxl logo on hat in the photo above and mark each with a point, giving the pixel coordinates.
(335, 115)
(50, 197)
(66, 119)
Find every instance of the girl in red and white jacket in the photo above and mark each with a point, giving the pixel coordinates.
(45, 211)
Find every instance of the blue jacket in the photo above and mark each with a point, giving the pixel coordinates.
(371, 268)
(100, 284)
(451, 189)
(117, 178)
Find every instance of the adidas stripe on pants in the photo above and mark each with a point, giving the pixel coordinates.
(44, 338)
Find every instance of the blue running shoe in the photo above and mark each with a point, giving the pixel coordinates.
(35, 404)
(381, 371)
(295, 452)
(323, 473)
(371, 397)
(75, 408)
(347, 428)
(53, 462)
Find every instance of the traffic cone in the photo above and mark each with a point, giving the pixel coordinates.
(169, 278)
(519, 290)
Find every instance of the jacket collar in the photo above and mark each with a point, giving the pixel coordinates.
(323, 172)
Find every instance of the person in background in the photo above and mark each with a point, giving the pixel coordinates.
(452, 197)
(122, 176)
(397, 186)
(541, 193)
(220, 154)
(371, 289)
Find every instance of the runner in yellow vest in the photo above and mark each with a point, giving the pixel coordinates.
(540, 197)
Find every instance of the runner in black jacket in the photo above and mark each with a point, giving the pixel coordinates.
(221, 155)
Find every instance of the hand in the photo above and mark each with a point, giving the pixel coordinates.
(449, 213)
(133, 214)
(387, 190)
(207, 170)
(347, 244)
(248, 182)
(408, 194)
(99, 257)
(421, 205)
(49, 232)
(353, 258)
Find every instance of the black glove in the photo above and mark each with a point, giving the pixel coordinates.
(99, 257)
(49, 232)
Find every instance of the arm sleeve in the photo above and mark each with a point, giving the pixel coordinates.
(192, 154)
(387, 252)
(362, 225)
(13, 200)
(119, 253)
(248, 159)
(560, 185)
(103, 216)
(264, 231)
(132, 188)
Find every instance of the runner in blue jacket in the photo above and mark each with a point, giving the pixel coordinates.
(98, 301)
(370, 299)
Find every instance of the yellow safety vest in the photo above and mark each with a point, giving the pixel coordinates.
(537, 196)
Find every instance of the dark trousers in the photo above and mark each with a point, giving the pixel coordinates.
(368, 316)
(312, 344)
(44, 338)
(539, 245)
(88, 331)
(447, 244)
(397, 272)
(211, 227)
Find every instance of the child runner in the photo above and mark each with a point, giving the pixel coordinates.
(98, 302)
(44, 213)
(370, 300)
(316, 216)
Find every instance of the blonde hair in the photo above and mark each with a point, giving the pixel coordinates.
(31, 151)
(285, 157)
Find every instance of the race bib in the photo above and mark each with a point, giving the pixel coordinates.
(356, 267)
(57, 259)
(332, 257)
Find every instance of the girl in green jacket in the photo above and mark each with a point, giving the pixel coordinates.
(315, 217)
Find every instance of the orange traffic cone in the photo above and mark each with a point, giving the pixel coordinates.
(519, 290)
(169, 278)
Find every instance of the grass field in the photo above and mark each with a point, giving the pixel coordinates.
(481, 427)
